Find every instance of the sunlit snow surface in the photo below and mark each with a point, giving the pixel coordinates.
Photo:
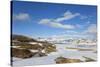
(50, 59)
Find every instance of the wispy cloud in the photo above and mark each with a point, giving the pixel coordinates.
(21, 16)
(67, 16)
(57, 21)
(51, 23)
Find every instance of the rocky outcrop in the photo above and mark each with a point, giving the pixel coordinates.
(24, 53)
(61, 60)
(24, 47)
(22, 38)
(21, 53)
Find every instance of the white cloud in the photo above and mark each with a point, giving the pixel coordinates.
(67, 16)
(21, 16)
(56, 22)
(92, 29)
(51, 23)
(59, 25)
(45, 21)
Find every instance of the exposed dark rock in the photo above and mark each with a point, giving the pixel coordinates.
(21, 53)
(24, 53)
(61, 60)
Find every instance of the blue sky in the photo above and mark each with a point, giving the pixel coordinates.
(45, 19)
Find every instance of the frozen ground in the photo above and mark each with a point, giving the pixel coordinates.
(50, 59)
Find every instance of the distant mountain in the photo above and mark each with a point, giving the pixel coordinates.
(22, 38)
